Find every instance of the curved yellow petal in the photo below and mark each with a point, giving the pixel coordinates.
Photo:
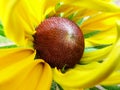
(108, 0)
(113, 79)
(19, 71)
(75, 10)
(96, 55)
(102, 22)
(82, 79)
(86, 78)
(72, 12)
(5, 5)
(14, 55)
(14, 20)
(67, 88)
(46, 78)
(103, 37)
(21, 17)
(98, 5)
(87, 67)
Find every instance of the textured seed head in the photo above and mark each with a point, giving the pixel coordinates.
(59, 42)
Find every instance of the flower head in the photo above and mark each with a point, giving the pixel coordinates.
(21, 70)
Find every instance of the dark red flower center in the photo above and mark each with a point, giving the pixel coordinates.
(59, 42)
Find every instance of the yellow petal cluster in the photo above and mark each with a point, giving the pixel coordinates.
(19, 70)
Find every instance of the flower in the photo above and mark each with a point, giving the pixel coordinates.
(97, 18)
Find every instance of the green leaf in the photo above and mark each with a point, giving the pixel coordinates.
(47, 16)
(63, 70)
(88, 35)
(8, 46)
(70, 17)
(79, 22)
(1, 30)
(113, 87)
(56, 86)
(58, 5)
(4, 39)
(6, 43)
(1, 27)
(61, 14)
(94, 88)
(88, 49)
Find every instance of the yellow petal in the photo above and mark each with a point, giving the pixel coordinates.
(103, 37)
(94, 4)
(86, 78)
(102, 22)
(19, 71)
(45, 78)
(108, 0)
(72, 12)
(81, 79)
(96, 55)
(79, 9)
(14, 20)
(13, 55)
(66, 88)
(8, 6)
(113, 79)
(90, 66)
(21, 17)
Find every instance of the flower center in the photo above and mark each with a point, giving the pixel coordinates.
(59, 42)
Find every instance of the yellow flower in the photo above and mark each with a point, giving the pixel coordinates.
(19, 70)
